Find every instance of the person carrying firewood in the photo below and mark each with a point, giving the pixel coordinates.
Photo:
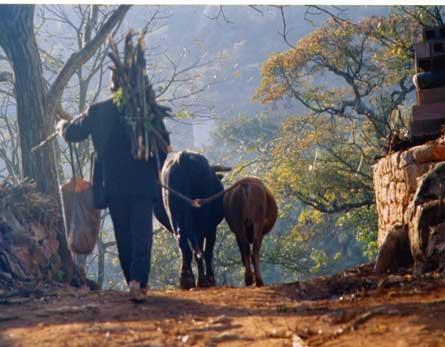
(122, 183)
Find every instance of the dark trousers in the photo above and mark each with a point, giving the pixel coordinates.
(133, 229)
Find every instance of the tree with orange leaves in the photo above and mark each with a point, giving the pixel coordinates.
(350, 77)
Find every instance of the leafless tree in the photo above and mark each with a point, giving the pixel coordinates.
(36, 103)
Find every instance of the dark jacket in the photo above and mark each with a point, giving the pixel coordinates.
(114, 164)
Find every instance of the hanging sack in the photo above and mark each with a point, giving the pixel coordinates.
(81, 217)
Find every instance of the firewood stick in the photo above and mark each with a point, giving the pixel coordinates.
(44, 142)
(53, 135)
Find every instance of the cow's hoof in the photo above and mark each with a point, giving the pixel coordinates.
(259, 282)
(248, 280)
(187, 281)
(203, 283)
(211, 281)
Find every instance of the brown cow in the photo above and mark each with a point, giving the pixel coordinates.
(251, 211)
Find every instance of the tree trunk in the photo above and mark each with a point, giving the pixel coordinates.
(36, 104)
(18, 41)
(34, 123)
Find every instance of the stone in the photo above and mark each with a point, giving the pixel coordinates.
(385, 180)
(386, 214)
(392, 192)
(402, 196)
(423, 154)
(406, 158)
(394, 162)
(439, 152)
(426, 216)
(396, 179)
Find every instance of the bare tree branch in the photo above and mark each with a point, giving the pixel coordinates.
(256, 8)
(82, 56)
(219, 15)
(285, 31)
(333, 207)
(317, 10)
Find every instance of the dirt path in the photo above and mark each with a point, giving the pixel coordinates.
(398, 312)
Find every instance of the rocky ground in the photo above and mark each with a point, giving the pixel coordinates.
(353, 308)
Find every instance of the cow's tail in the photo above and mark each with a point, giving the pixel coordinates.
(191, 237)
(188, 230)
(192, 234)
(195, 245)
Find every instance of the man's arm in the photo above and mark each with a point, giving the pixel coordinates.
(78, 129)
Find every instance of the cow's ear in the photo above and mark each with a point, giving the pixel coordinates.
(220, 175)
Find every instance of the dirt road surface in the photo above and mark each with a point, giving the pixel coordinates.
(349, 309)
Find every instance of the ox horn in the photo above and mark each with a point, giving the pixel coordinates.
(219, 168)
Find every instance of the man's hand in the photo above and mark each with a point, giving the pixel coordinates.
(60, 125)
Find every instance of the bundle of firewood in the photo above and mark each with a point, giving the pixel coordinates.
(28, 203)
(29, 236)
(136, 99)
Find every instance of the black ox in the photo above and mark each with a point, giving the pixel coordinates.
(194, 228)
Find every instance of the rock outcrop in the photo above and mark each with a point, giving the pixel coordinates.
(397, 178)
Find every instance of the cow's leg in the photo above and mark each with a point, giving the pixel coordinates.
(257, 240)
(208, 255)
(187, 280)
(199, 264)
(244, 248)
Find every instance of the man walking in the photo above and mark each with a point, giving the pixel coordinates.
(123, 184)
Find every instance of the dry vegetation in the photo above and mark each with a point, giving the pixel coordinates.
(33, 245)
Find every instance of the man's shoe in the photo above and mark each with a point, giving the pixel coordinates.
(136, 293)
